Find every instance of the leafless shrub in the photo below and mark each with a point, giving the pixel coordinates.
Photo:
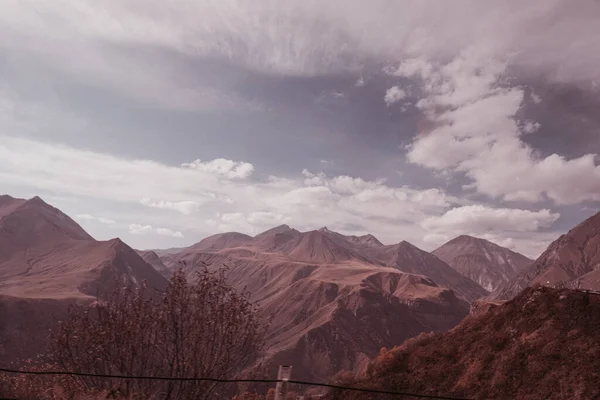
(196, 329)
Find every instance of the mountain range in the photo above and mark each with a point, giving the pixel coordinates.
(334, 300)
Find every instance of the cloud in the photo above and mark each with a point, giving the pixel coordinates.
(228, 168)
(393, 95)
(312, 200)
(184, 207)
(137, 229)
(88, 217)
(476, 131)
(305, 202)
(169, 232)
(482, 219)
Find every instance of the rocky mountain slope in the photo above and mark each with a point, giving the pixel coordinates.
(544, 344)
(573, 260)
(482, 261)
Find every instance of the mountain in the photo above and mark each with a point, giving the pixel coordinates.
(222, 241)
(155, 261)
(409, 258)
(329, 317)
(319, 247)
(273, 239)
(335, 299)
(47, 261)
(544, 344)
(573, 259)
(482, 261)
(365, 240)
(45, 254)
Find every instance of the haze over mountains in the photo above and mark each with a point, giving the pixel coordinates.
(335, 300)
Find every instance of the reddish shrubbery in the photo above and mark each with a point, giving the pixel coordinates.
(543, 344)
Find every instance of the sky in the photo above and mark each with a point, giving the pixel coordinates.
(164, 122)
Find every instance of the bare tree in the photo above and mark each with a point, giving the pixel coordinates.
(198, 329)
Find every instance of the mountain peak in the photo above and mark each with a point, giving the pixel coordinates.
(485, 262)
(33, 220)
(274, 231)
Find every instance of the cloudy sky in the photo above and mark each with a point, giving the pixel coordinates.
(164, 122)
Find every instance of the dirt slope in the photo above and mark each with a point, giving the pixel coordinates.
(544, 344)
(572, 257)
(482, 261)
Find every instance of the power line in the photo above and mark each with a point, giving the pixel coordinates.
(166, 378)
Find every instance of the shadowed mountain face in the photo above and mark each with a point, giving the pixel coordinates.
(544, 344)
(573, 260)
(335, 299)
(482, 261)
(47, 261)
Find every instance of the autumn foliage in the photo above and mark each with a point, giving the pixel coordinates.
(544, 344)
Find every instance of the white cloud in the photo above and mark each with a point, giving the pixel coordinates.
(482, 219)
(88, 217)
(531, 127)
(476, 132)
(184, 207)
(169, 232)
(393, 95)
(349, 204)
(137, 229)
(232, 216)
(228, 168)
(296, 37)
